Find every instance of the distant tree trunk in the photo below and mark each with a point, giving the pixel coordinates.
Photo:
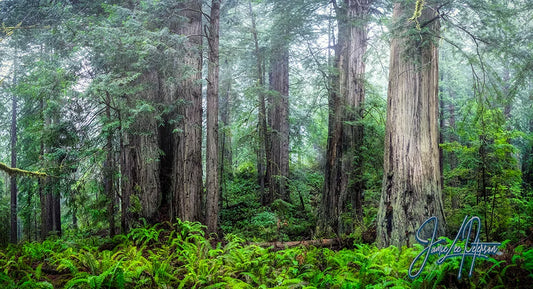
(126, 188)
(41, 182)
(225, 137)
(278, 112)
(263, 151)
(411, 183)
(225, 115)
(343, 184)
(109, 171)
(28, 216)
(187, 169)
(50, 195)
(212, 180)
(527, 164)
(13, 181)
(442, 128)
(75, 215)
(452, 157)
(506, 94)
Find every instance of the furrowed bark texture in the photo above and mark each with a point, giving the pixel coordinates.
(161, 159)
(343, 184)
(212, 181)
(411, 183)
(278, 121)
(187, 168)
(142, 158)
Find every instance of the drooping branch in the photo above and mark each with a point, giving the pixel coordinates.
(16, 171)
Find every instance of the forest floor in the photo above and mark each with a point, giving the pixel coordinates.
(180, 256)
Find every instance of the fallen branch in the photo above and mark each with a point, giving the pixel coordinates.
(15, 171)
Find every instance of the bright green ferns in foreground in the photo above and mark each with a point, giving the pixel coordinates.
(179, 256)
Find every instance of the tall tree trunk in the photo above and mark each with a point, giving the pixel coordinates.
(452, 157)
(142, 153)
(225, 138)
(13, 181)
(29, 214)
(411, 183)
(109, 171)
(126, 187)
(278, 112)
(527, 164)
(161, 162)
(352, 184)
(343, 185)
(212, 180)
(506, 94)
(263, 151)
(50, 195)
(328, 214)
(187, 169)
(40, 181)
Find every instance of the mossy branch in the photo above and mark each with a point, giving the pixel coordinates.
(15, 171)
(418, 12)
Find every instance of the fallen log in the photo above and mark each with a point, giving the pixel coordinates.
(320, 243)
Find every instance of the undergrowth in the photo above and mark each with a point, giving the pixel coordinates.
(180, 256)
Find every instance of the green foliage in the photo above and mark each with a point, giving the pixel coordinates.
(179, 256)
(486, 181)
(242, 213)
(4, 218)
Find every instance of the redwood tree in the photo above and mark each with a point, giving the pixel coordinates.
(263, 151)
(343, 184)
(278, 123)
(212, 176)
(411, 190)
(187, 143)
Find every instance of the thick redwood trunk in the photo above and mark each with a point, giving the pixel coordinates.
(353, 90)
(343, 184)
(140, 158)
(278, 120)
(411, 183)
(212, 180)
(161, 160)
(187, 167)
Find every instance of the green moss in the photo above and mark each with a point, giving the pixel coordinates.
(15, 171)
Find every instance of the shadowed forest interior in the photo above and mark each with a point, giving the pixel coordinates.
(263, 143)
